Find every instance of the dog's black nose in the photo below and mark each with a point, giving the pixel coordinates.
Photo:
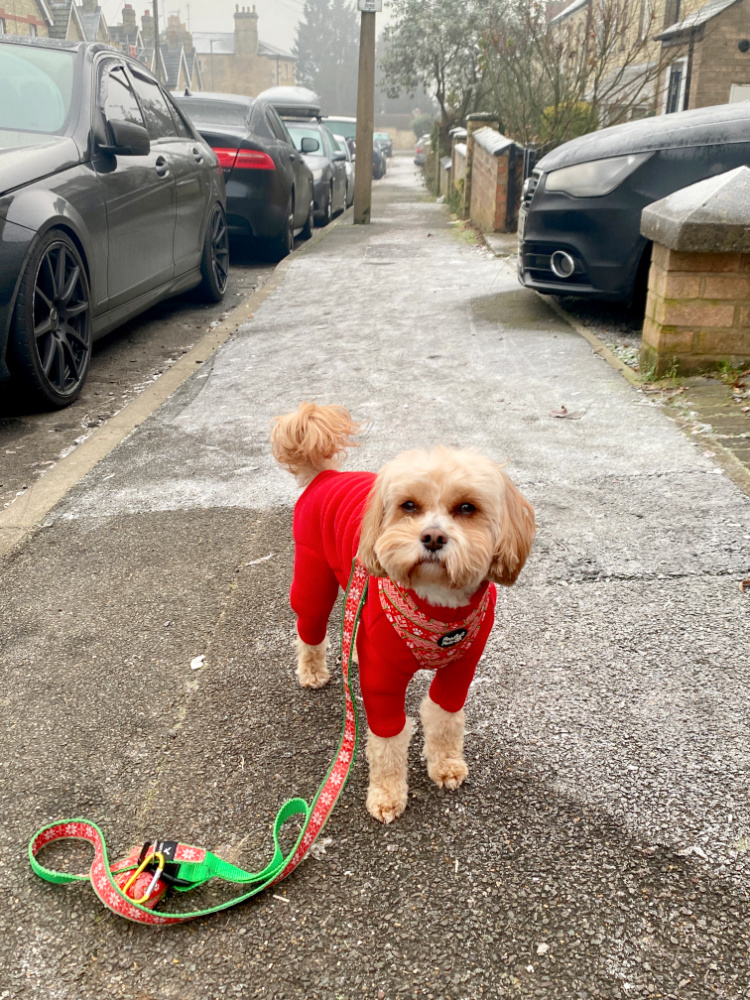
(433, 539)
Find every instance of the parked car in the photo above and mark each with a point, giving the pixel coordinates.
(379, 162)
(580, 218)
(109, 202)
(424, 145)
(342, 125)
(300, 110)
(344, 147)
(269, 185)
(385, 142)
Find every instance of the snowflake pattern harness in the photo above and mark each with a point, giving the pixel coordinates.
(433, 643)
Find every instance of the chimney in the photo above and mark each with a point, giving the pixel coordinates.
(89, 6)
(245, 31)
(128, 19)
(147, 27)
(174, 30)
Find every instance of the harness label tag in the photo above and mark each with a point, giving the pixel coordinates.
(452, 638)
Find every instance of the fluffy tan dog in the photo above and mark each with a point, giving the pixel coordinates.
(436, 530)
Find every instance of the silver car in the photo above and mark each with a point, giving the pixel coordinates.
(344, 147)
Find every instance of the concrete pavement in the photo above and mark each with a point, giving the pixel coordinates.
(599, 848)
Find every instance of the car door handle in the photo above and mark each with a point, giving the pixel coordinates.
(161, 166)
(197, 156)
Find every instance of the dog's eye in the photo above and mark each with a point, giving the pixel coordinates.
(409, 506)
(465, 508)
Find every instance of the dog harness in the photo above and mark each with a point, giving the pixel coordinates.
(433, 643)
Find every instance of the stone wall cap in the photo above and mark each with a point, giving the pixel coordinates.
(460, 148)
(494, 142)
(458, 132)
(481, 116)
(711, 216)
(446, 162)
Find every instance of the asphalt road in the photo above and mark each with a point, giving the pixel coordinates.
(123, 364)
(600, 847)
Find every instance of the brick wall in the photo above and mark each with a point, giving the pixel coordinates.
(698, 311)
(489, 190)
(20, 15)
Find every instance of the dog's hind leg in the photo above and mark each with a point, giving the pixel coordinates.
(443, 744)
(312, 597)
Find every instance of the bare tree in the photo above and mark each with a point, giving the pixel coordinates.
(553, 81)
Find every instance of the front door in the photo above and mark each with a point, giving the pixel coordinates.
(139, 197)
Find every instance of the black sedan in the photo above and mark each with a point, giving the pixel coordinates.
(580, 221)
(269, 185)
(109, 202)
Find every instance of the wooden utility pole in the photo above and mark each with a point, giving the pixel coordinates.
(365, 112)
(157, 54)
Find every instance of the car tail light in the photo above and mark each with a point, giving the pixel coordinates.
(419, 149)
(244, 159)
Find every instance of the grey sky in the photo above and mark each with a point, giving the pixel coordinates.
(277, 23)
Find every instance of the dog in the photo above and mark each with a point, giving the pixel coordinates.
(435, 530)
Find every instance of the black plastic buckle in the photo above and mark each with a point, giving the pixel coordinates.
(168, 874)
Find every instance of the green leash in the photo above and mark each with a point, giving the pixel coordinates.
(133, 886)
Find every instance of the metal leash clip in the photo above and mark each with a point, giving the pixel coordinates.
(148, 861)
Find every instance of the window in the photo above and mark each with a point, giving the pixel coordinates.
(179, 122)
(205, 112)
(300, 132)
(2, 26)
(32, 30)
(674, 97)
(277, 126)
(159, 121)
(36, 88)
(671, 12)
(119, 101)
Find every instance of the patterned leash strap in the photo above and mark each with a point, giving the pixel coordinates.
(133, 886)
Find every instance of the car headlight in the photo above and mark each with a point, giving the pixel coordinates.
(317, 173)
(596, 178)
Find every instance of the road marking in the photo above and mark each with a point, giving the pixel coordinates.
(27, 512)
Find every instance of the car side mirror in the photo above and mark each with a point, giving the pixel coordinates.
(128, 139)
(309, 145)
(338, 156)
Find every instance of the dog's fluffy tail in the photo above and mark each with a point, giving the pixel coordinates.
(312, 439)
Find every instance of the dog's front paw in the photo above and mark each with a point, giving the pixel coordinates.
(386, 802)
(448, 772)
(313, 676)
(312, 671)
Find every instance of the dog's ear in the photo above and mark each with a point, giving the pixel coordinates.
(372, 527)
(518, 531)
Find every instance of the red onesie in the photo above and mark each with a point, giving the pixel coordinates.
(327, 522)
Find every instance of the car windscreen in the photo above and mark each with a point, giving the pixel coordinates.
(300, 132)
(214, 112)
(36, 87)
(347, 129)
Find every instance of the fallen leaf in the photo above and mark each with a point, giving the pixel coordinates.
(743, 584)
(564, 414)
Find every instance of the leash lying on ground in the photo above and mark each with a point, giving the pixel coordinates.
(133, 886)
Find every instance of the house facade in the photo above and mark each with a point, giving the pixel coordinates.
(25, 17)
(691, 53)
(238, 62)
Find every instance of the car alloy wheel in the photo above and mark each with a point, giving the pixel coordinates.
(219, 248)
(51, 334)
(329, 206)
(215, 260)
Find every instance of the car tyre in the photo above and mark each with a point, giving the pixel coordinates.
(283, 244)
(307, 229)
(215, 258)
(50, 335)
(328, 211)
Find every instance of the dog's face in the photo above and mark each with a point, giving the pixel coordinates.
(446, 519)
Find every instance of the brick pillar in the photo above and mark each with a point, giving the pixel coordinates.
(698, 305)
(474, 122)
